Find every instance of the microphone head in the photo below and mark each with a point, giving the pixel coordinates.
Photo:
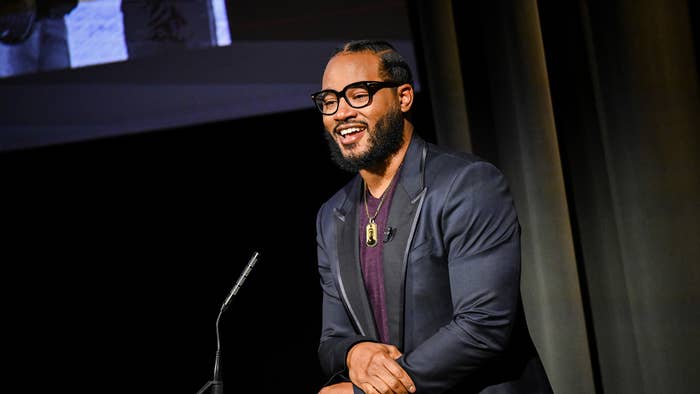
(239, 282)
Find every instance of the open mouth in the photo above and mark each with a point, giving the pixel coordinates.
(349, 135)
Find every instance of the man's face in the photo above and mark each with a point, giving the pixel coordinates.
(361, 137)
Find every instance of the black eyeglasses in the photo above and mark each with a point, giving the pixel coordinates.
(357, 95)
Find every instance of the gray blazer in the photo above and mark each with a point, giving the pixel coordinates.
(452, 273)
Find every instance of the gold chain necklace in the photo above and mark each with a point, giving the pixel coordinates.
(371, 229)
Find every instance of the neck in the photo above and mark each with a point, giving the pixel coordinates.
(378, 180)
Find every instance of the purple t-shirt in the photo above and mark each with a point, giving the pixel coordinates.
(371, 257)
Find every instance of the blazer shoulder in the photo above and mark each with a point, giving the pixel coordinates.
(444, 162)
(339, 198)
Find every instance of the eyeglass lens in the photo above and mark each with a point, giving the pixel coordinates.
(357, 97)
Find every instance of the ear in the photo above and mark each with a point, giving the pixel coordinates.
(405, 93)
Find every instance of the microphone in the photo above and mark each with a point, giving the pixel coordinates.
(216, 383)
(389, 233)
(239, 282)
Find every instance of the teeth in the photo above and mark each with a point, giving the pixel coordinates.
(349, 131)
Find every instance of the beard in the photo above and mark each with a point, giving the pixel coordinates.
(384, 141)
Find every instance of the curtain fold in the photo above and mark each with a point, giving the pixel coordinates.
(592, 110)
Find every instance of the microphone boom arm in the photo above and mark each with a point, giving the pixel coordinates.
(216, 382)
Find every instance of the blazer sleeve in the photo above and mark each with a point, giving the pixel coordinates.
(338, 334)
(481, 237)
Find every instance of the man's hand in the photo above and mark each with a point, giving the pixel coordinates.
(338, 388)
(373, 369)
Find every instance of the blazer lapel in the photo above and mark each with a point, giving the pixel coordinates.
(399, 220)
(403, 213)
(350, 273)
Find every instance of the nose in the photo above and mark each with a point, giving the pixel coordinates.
(344, 111)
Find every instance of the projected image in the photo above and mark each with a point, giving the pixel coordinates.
(42, 35)
(166, 64)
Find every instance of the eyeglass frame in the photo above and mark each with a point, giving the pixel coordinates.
(372, 87)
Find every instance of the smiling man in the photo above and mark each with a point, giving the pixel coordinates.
(419, 254)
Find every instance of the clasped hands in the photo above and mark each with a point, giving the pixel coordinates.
(374, 369)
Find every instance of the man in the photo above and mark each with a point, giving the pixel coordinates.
(419, 255)
(33, 36)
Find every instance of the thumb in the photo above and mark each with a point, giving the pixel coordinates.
(394, 352)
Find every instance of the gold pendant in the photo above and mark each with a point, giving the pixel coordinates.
(371, 234)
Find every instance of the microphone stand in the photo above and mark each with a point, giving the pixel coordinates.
(216, 383)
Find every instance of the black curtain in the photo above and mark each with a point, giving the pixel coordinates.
(591, 109)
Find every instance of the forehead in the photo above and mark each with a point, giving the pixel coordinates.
(346, 68)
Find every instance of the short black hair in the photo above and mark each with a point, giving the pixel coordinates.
(393, 66)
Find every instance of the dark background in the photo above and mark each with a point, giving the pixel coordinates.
(127, 247)
(120, 252)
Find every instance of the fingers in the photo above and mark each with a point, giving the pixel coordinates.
(400, 376)
(396, 370)
(388, 378)
(373, 368)
(384, 384)
(395, 385)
